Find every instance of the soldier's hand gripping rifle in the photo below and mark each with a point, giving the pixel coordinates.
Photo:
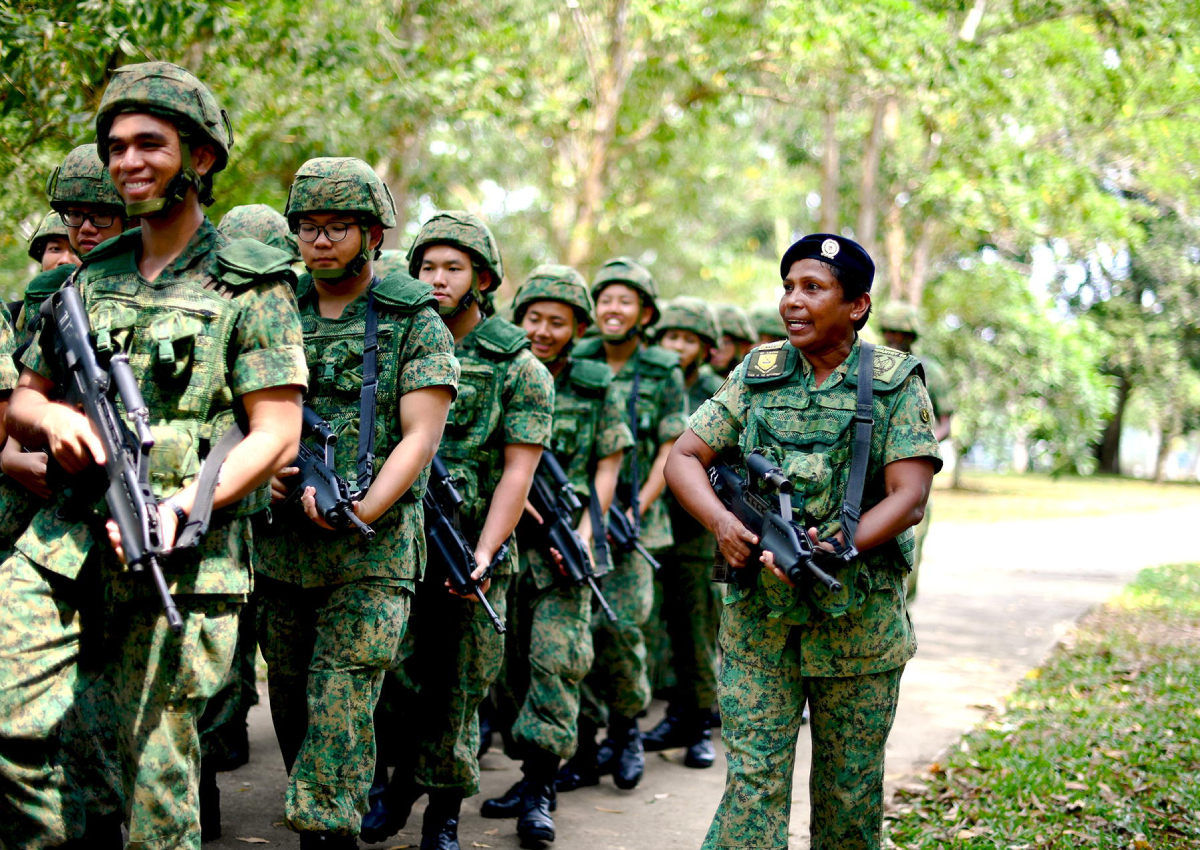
(624, 535)
(130, 500)
(447, 543)
(771, 522)
(332, 493)
(555, 501)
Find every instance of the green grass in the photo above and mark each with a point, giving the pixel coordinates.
(1099, 747)
(988, 497)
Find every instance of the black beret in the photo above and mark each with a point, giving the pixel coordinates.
(845, 254)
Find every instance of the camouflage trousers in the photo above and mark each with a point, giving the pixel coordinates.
(227, 709)
(689, 618)
(761, 706)
(549, 652)
(158, 685)
(449, 658)
(619, 679)
(327, 649)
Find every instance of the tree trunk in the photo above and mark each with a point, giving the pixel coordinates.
(1109, 451)
(868, 187)
(920, 263)
(895, 254)
(830, 170)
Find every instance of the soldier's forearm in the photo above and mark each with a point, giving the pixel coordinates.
(656, 481)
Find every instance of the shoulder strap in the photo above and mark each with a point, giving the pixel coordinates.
(634, 476)
(864, 420)
(599, 529)
(206, 488)
(368, 395)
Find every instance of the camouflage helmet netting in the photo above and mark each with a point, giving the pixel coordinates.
(553, 282)
(689, 314)
(899, 316)
(261, 222)
(51, 225)
(464, 230)
(768, 322)
(340, 184)
(735, 322)
(631, 273)
(82, 179)
(171, 92)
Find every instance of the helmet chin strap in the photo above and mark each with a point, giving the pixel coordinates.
(617, 339)
(352, 269)
(176, 192)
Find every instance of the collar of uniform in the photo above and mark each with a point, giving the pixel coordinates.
(203, 241)
(309, 304)
(839, 373)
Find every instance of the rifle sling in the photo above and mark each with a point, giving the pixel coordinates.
(634, 472)
(863, 423)
(206, 488)
(366, 398)
(599, 532)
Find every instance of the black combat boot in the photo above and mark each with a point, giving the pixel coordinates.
(210, 803)
(534, 824)
(390, 810)
(581, 769)
(668, 734)
(701, 754)
(439, 830)
(629, 760)
(509, 805)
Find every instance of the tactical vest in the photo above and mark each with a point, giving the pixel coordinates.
(472, 444)
(579, 395)
(334, 350)
(810, 435)
(178, 343)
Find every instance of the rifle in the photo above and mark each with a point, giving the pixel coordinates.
(444, 536)
(777, 532)
(130, 500)
(555, 501)
(624, 535)
(317, 471)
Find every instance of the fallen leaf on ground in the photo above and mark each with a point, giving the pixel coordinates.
(491, 832)
(610, 811)
(477, 844)
(253, 840)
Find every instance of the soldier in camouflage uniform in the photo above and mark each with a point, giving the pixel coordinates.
(214, 340)
(688, 600)
(901, 327)
(50, 245)
(550, 650)
(498, 426)
(785, 646)
(334, 606)
(618, 685)
(262, 222)
(738, 336)
(767, 324)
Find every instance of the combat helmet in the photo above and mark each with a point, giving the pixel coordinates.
(342, 184)
(51, 226)
(901, 317)
(735, 322)
(768, 322)
(82, 179)
(176, 94)
(689, 314)
(466, 231)
(261, 222)
(553, 282)
(633, 274)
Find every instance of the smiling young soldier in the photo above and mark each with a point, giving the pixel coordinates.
(649, 387)
(688, 598)
(333, 607)
(494, 437)
(50, 245)
(550, 650)
(214, 342)
(843, 652)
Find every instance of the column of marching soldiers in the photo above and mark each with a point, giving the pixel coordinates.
(361, 569)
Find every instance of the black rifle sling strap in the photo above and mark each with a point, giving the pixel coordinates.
(366, 397)
(599, 529)
(863, 422)
(206, 488)
(635, 501)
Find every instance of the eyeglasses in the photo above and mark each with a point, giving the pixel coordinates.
(74, 218)
(335, 231)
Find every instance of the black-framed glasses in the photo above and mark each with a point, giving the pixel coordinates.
(99, 220)
(335, 231)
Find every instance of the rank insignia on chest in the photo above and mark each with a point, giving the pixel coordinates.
(767, 364)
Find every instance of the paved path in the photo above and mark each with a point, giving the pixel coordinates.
(994, 599)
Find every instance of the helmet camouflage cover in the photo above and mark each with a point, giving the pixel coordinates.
(261, 222)
(552, 282)
(82, 179)
(340, 184)
(768, 322)
(633, 274)
(171, 92)
(51, 225)
(689, 314)
(899, 316)
(464, 230)
(735, 322)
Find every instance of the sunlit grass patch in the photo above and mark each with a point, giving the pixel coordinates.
(1099, 747)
